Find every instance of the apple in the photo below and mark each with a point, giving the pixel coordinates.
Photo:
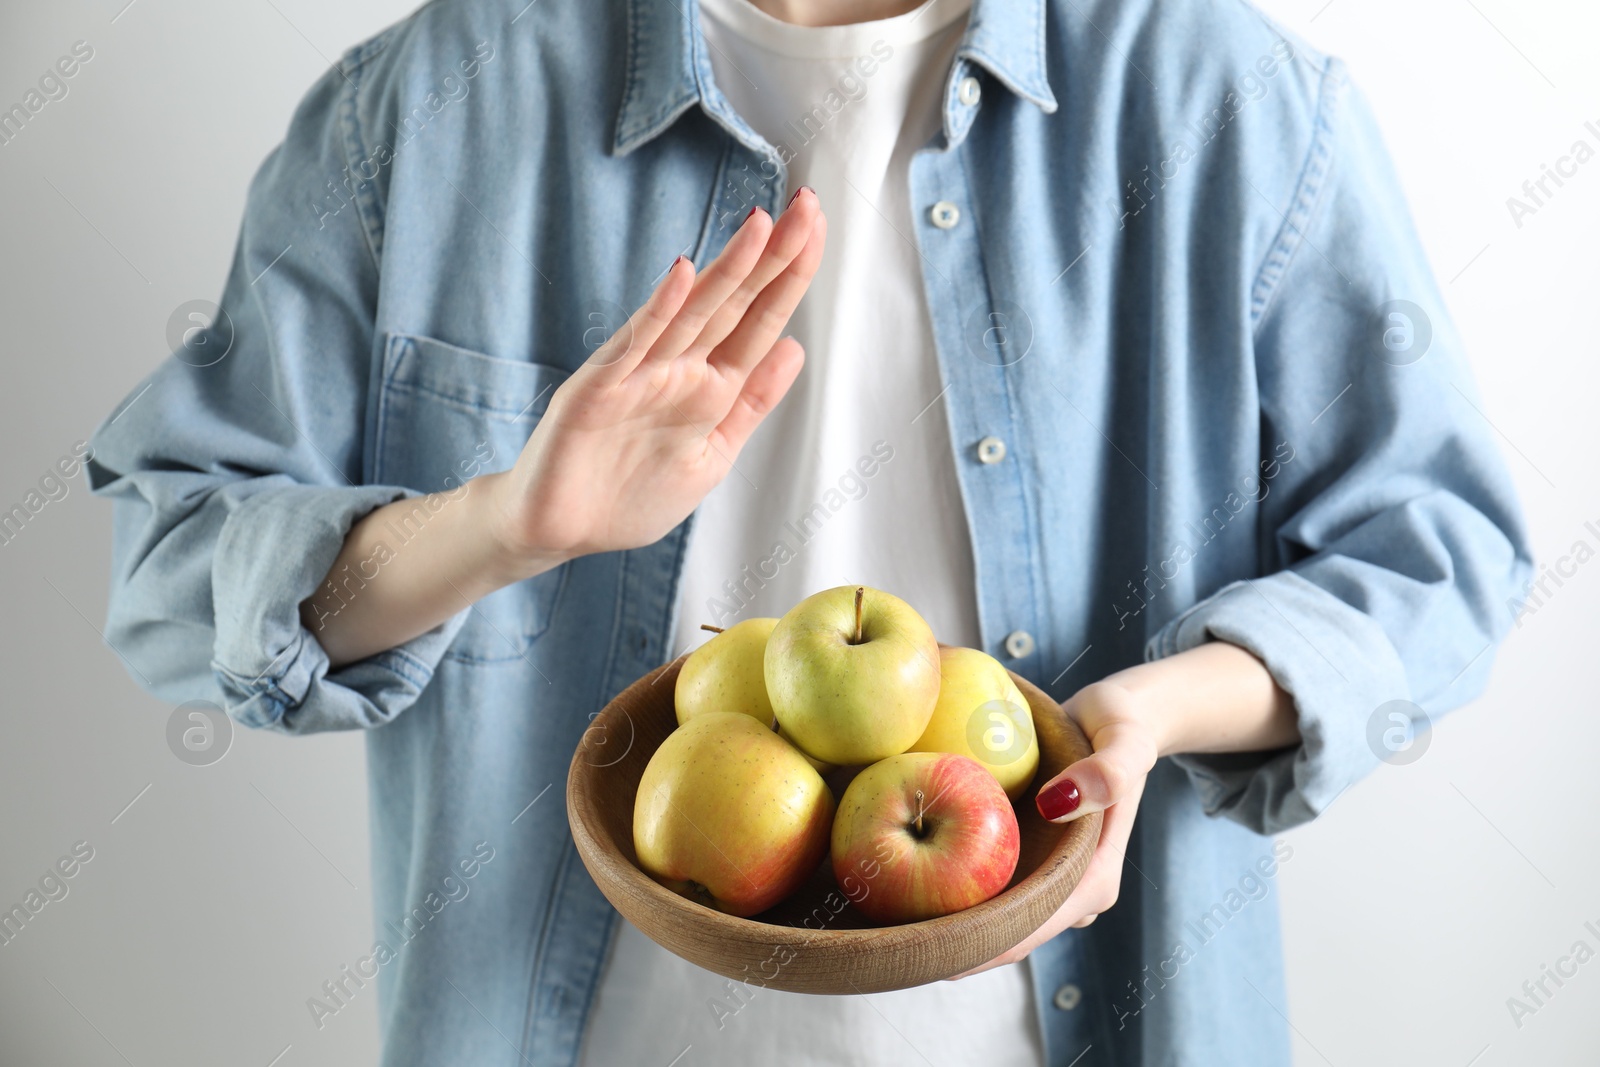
(727, 674)
(730, 815)
(853, 674)
(822, 767)
(924, 834)
(981, 713)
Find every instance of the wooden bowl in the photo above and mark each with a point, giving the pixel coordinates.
(814, 941)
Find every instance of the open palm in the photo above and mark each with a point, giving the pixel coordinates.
(643, 430)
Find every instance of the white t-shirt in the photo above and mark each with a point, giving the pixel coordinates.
(851, 480)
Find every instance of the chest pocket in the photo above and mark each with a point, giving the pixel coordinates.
(445, 415)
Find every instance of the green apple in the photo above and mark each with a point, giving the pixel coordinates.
(727, 674)
(983, 715)
(853, 674)
(731, 815)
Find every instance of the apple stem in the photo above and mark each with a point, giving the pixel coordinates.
(861, 592)
(919, 813)
(713, 629)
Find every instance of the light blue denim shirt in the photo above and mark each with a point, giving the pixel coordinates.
(1179, 283)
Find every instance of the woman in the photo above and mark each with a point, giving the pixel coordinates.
(1117, 357)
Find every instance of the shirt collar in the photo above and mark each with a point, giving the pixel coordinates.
(668, 69)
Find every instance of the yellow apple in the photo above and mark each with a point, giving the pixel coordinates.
(853, 674)
(822, 767)
(731, 815)
(982, 714)
(726, 674)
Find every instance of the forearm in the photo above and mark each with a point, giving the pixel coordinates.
(1215, 697)
(410, 565)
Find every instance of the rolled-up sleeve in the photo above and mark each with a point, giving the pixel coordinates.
(234, 482)
(1391, 538)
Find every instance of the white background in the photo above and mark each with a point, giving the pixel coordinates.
(224, 896)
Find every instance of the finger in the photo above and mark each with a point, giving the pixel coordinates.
(624, 349)
(769, 314)
(788, 240)
(765, 386)
(1101, 885)
(1096, 892)
(1121, 759)
(715, 284)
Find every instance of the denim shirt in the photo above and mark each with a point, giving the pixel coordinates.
(1169, 267)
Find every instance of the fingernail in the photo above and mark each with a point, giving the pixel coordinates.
(1058, 800)
(796, 195)
(752, 214)
(675, 263)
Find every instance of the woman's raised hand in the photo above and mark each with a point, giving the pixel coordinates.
(657, 416)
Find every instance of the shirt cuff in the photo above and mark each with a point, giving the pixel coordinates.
(273, 552)
(1335, 662)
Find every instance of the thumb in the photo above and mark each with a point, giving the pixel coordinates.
(1123, 755)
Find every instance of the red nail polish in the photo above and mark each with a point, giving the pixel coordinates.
(753, 211)
(796, 195)
(1058, 800)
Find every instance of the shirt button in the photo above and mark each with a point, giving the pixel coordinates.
(991, 450)
(1019, 643)
(945, 215)
(1067, 997)
(969, 91)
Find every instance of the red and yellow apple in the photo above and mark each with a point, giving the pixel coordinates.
(925, 834)
(729, 814)
(853, 674)
(981, 713)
